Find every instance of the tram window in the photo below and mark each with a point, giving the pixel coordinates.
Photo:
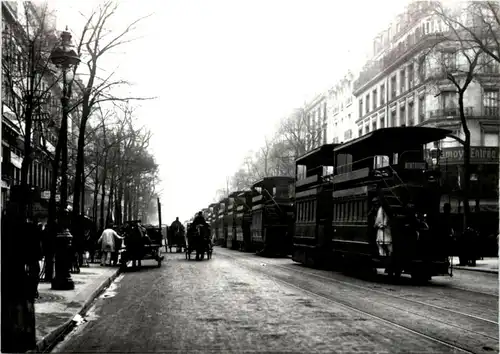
(301, 211)
(344, 163)
(395, 158)
(301, 172)
(342, 211)
(348, 211)
(327, 170)
(380, 161)
(315, 210)
(274, 191)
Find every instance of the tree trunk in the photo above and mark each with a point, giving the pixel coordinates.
(466, 182)
(103, 191)
(83, 195)
(125, 204)
(96, 194)
(110, 197)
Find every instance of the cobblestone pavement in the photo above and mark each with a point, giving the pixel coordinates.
(230, 305)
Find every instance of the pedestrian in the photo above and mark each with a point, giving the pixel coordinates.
(107, 242)
(34, 254)
(384, 236)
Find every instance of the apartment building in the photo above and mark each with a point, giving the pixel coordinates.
(315, 114)
(402, 86)
(47, 111)
(341, 110)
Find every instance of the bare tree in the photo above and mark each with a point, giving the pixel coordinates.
(96, 41)
(478, 23)
(452, 65)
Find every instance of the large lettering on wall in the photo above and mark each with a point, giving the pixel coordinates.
(478, 155)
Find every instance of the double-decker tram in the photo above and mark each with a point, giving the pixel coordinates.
(222, 230)
(243, 220)
(229, 221)
(386, 203)
(214, 225)
(272, 216)
(313, 206)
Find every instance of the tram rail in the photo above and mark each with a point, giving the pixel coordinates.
(465, 346)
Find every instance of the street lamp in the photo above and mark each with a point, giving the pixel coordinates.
(66, 58)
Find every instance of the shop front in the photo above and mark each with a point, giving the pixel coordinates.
(483, 192)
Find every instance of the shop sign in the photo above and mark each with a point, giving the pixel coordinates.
(478, 155)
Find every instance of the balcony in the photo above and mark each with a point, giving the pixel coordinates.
(449, 112)
(395, 56)
(491, 111)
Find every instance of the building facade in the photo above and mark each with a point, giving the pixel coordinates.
(315, 114)
(47, 109)
(407, 83)
(341, 111)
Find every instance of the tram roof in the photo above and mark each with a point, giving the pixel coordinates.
(386, 139)
(317, 155)
(260, 182)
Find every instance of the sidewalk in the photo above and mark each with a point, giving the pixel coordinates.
(487, 265)
(55, 310)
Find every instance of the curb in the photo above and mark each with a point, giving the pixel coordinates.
(51, 339)
(491, 271)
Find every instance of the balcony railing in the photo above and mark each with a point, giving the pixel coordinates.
(450, 112)
(393, 56)
(491, 111)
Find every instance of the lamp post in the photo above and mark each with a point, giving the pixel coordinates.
(65, 58)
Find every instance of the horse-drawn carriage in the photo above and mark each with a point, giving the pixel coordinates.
(141, 243)
(175, 237)
(198, 240)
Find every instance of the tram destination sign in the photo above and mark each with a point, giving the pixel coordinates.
(478, 155)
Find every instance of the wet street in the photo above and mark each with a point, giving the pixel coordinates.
(238, 302)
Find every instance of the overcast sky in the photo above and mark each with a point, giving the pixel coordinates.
(225, 71)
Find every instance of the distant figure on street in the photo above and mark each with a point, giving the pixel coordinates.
(108, 244)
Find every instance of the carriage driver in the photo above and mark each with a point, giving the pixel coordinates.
(200, 220)
(176, 225)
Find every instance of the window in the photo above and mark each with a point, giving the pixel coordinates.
(360, 107)
(374, 125)
(411, 74)
(411, 120)
(490, 103)
(382, 94)
(402, 81)
(344, 163)
(360, 132)
(382, 122)
(449, 61)
(393, 118)
(367, 104)
(367, 129)
(374, 98)
(393, 86)
(421, 109)
(449, 101)
(402, 115)
(380, 161)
